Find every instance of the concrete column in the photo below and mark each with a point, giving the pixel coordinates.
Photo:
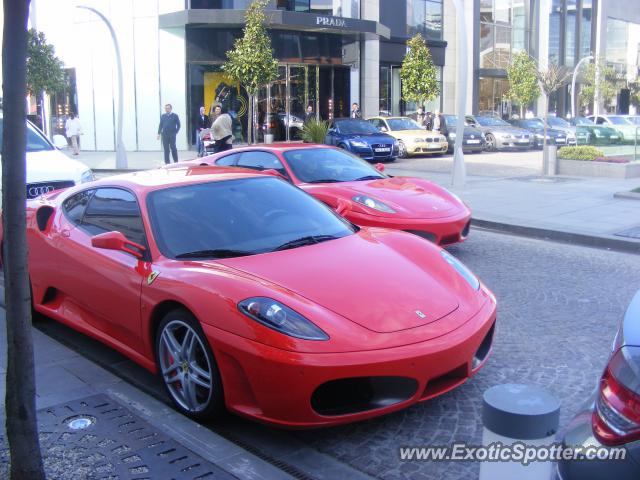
(543, 46)
(370, 63)
(449, 72)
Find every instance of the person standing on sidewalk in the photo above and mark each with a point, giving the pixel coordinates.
(310, 115)
(73, 131)
(168, 129)
(355, 111)
(202, 123)
(222, 132)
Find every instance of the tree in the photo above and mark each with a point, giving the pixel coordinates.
(551, 80)
(251, 61)
(45, 72)
(22, 430)
(523, 80)
(607, 83)
(418, 73)
(634, 88)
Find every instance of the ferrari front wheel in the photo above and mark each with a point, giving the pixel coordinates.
(187, 366)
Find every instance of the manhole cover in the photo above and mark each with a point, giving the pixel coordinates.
(631, 233)
(97, 438)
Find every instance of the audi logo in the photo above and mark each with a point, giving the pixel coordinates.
(40, 190)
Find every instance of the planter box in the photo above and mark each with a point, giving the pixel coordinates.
(582, 168)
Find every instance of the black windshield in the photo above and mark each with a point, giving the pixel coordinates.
(237, 218)
(355, 127)
(324, 165)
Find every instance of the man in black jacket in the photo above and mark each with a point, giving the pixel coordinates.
(169, 128)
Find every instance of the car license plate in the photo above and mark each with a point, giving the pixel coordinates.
(381, 150)
(473, 141)
(560, 140)
(435, 146)
(523, 140)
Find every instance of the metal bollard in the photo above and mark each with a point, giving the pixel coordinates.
(518, 416)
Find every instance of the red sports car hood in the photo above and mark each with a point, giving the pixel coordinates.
(409, 197)
(380, 279)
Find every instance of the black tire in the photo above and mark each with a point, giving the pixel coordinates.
(343, 146)
(402, 150)
(213, 404)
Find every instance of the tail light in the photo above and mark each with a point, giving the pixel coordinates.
(616, 417)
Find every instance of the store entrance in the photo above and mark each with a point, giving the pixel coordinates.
(282, 107)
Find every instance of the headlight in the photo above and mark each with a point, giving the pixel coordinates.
(281, 318)
(86, 177)
(452, 135)
(418, 140)
(461, 269)
(506, 135)
(359, 143)
(373, 203)
(539, 136)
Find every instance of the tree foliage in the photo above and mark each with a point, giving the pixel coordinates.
(45, 71)
(523, 80)
(607, 82)
(418, 73)
(251, 61)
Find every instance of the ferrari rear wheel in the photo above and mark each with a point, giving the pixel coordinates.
(187, 366)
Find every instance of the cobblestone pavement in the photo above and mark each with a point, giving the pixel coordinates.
(559, 308)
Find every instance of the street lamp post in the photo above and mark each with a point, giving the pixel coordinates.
(458, 175)
(121, 153)
(573, 84)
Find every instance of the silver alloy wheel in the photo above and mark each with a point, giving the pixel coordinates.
(491, 142)
(402, 149)
(185, 366)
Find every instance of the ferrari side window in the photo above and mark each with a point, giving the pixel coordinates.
(228, 160)
(114, 209)
(261, 161)
(74, 206)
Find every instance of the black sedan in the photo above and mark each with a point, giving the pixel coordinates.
(472, 140)
(536, 127)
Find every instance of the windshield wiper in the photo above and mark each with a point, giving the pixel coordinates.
(325, 180)
(302, 241)
(368, 177)
(217, 253)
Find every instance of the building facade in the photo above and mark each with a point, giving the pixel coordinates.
(330, 53)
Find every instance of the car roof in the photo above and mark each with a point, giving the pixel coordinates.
(159, 178)
(281, 147)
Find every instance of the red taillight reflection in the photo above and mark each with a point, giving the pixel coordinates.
(616, 417)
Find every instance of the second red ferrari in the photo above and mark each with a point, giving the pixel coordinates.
(358, 191)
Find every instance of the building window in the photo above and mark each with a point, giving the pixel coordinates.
(425, 17)
(617, 44)
(502, 32)
(338, 8)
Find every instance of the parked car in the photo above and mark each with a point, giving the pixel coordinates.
(596, 134)
(627, 129)
(499, 134)
(574, 137)
(335, 176)
(243, 291)
(48, 169)
(362, 138)
(635, 119)
(412, 138)
(473, 140)
(536, 127)
(611, 417)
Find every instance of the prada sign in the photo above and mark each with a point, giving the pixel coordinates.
(331, 22)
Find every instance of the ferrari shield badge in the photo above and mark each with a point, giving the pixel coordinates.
(420, 314)
(152, 276)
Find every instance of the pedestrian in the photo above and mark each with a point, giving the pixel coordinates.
(168, 128)
(437, 120)
(355, 111)
(201, 123)
(222, 132)
(73, 131)
(310, 115)
(420, 117)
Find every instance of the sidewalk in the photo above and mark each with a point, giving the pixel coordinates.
(505, 191)
(132, 435)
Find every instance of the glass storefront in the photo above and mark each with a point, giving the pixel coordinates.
(391, 102)
(493, 97)
(338, 8)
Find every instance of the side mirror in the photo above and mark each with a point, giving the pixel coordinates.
(331, 131)
(343, 206)
(60, 142)
(379, 167)
(117, 241)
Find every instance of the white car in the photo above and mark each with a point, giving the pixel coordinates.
(48, 168)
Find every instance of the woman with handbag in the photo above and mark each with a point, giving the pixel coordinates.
(222, 133)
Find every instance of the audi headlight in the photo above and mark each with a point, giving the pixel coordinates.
(280, 318)
(359, 143)
(461, 269)
(373, 203)
(86, 176)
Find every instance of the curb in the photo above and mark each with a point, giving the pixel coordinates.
(627, 195)
(626, 246)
